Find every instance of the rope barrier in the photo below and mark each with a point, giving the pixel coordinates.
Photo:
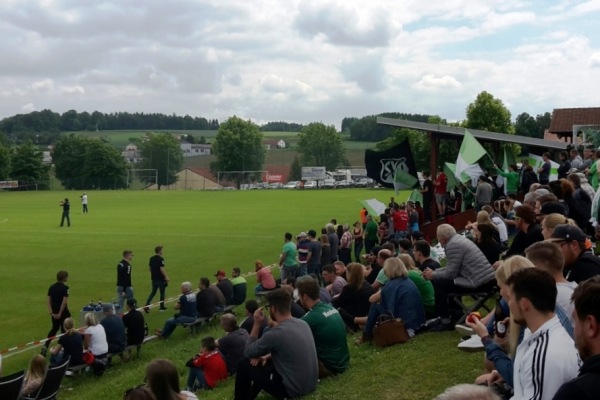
(11, 351)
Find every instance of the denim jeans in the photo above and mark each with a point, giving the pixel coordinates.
(196, 375)
(128, 294)
(172, 323)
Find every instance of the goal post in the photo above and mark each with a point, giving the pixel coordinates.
(142, 175)
(258, 175)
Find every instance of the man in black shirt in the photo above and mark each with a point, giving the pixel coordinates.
(124, 288)
(427, 192)
(225, 286)
(134, 323)
(422, 252)
(58, 294)
(159, 278)
(205, 299)
(66, 206)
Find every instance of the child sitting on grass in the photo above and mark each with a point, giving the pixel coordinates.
(207, 368)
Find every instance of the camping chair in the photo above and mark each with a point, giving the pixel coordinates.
(51, 383)
(10, 386)
(479, 300)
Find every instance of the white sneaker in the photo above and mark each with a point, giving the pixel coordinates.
(471, 345)
(464, 330)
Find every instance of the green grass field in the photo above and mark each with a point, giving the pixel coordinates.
(201, 232)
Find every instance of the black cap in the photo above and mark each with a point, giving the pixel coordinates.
(568, 233)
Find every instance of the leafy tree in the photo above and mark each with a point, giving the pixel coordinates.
(202, 140)
(85, 163)
(321, 145)
(28, 166)
(161, 151)
(295, 170)
(489, 114)
(4, 162)
(104, 168)
(526, 125)
(238, 146)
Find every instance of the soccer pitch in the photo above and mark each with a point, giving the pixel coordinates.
(201, 231)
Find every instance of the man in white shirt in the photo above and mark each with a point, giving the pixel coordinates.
(84, 202)
(546, 358)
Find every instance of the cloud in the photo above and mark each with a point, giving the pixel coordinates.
(27, 108)
(75, 89)
(595, 60)
(432, 81)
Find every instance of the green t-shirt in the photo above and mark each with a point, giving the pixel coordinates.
(237, 280)
(512, 180)
(594, 175)
(289, 248)
(425, 289)
(371, 230)
(329, 332)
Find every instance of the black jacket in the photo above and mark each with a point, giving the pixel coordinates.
(586, 386)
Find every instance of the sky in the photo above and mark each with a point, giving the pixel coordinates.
(297, 60)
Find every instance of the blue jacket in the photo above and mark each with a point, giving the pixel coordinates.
(401, 298)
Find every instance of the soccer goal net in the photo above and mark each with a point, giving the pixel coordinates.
(141, 178)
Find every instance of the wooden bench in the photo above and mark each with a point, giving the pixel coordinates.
(194, 326)
(126, 352)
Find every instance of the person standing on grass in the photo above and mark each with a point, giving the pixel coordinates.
(66, 206)
(159, 277)
(58, 295)
(124, 288)
(84, 203)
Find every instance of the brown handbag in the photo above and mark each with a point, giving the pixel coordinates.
(389, 331)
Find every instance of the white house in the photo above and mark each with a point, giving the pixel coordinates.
(275, 144)
(190, 150)
(131, 153)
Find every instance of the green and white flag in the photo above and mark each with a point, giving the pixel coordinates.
(537, 162)
(470, 152)
(472, 173)
(415, 196)
(373, 206)
(403, 180)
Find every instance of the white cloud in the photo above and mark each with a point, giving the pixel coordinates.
(432, 81)
(27, 108)
(298, 60)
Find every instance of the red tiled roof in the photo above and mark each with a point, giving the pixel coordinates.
(563, 119)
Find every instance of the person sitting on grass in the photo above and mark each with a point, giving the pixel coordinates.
(353, 300)
(34, 377)
(207, 368)
(232, 344)
(328, 330)
(162, 378)
(400, 297)
(139, 393)
(251, 306)
(187, 311)
(334, 282)
(283, 362)
(69, 345)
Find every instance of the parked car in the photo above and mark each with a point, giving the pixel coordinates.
(291, 185)
(276, 185)
(310, 185)
(328, 184)
(342, 184)
(363, 183)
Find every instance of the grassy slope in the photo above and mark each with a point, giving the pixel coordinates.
(201, 232)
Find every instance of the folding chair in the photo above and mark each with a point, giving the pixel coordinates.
(10, 386)
(51, 383)
(479, 302)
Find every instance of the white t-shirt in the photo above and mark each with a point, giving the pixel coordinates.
(501, 228)
(563, 297)
(98, 344)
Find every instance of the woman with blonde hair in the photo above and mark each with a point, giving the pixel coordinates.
(34, 375)
(69, 345)
(353, 300)
(264, 277)
(400, 297)
(94, 337)
(551, 221)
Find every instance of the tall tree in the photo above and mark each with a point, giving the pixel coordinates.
(295, 170)
(321, 145)
(28, 166)
(238, 146)
(104, 168)
(161, 151)
(526, 125)
(84, 163)
(4, 162)
(489, 114)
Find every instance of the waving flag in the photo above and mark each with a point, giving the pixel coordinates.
(403, 180)
(470, 152)
(382, 166)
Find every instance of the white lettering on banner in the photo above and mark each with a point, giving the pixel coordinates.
(389, 166)
(9, 184)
